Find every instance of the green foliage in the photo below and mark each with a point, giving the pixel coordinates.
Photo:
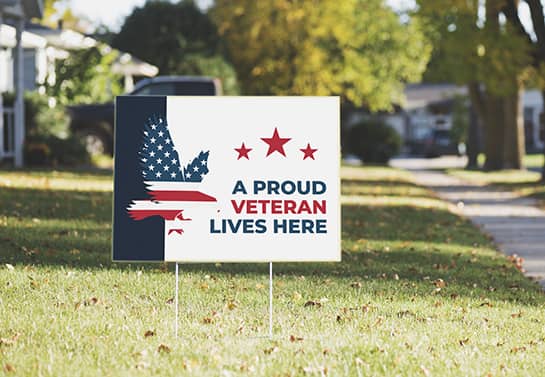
(470, 48)
(212, 66)
(49, 150)
(357, 49)
(86, 77)
(373, 141)
(48, 141)
(42, 119)
(179, 39)
(164, 34)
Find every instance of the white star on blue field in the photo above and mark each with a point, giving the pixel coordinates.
(160, 160)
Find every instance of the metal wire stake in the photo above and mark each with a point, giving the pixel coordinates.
(270, 301)
(176, 304)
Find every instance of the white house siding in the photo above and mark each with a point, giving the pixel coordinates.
(533, 107)
(6, 71)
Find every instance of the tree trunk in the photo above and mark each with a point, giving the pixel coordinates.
(477, 120)
(494, 133)
(514, 147)
(473, 141)
(542, 132)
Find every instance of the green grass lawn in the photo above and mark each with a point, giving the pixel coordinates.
(532, 160)
(419, 292)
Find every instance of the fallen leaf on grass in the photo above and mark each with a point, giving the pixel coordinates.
(518, 349)
(163, 348)
(294, 338)
(142, 365)
(516, 315)
(463, 342)
(9, 368)
(91, 301)
(271, 350)
(170, 300)
(405, 313)
(517, 262)
(317, 304)
(139, 354)
(149, 333)
(9, 341)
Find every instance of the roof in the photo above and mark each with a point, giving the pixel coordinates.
(126, 64)
(28, 8)
(62, 38)
(67, 39)
(30, 40)
(422, 95)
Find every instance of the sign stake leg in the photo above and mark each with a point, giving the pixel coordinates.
(176, 304)
(270, 301)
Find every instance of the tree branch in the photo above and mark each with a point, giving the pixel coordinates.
(538, 20)
(511, 13)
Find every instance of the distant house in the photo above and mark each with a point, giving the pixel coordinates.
(41, 46)
(12, 130)
(428, 107)
(61, 39)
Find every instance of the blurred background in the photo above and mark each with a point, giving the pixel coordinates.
(416, 78)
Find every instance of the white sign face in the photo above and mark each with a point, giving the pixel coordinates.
(242, 179)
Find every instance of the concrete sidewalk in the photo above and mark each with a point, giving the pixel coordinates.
(516, 224)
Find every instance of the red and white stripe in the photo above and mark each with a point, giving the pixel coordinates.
(168, 200)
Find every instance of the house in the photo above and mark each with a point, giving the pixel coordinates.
(428, 107)
(41, 47)
(12, 140)
(61, 39)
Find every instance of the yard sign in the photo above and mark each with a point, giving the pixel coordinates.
(226, 179)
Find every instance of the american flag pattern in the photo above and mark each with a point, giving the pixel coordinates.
(170, 185)
(160, 160)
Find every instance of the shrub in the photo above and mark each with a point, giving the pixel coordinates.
(54, 151)
(48, 141)
(373, 141)
(37, 154)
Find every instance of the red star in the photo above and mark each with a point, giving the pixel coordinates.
(243, 152)
(308, 151)
(276, 143)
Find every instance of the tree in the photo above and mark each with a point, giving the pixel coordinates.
(537, 13)
(177, 38)
(354, 48)
(59, 10)
(86, 77)
(490, 52)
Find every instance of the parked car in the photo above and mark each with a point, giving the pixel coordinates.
(439, 143)
(95, 123)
